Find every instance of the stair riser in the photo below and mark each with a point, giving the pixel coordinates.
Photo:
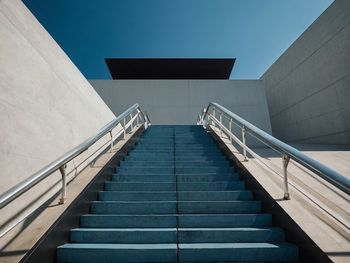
(170, 170)
(247, 254)
(183, 207)
(173, 178)
(181, 186)
(194, 154)
(172, 196)
(170, 158)
(123, 237)
(211, 186)
(137, 196)
(170, 221)
(217, 207)
(126, 208)
(105, 255)
(230, 236)
(207, 178)
(143, 178)
(176, 147)
(172, 164)
(215, 196)
(155, 236)
(128, 221)
(112, 186)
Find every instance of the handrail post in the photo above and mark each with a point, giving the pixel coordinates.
(132, 125)
(145, 120)
(285, 161)
(230, 128)
(212, 121)
(220, 119)
(111, 134)
(124, 128)
(64, 184)
(138, 118)
(244, 141)
(203, 116)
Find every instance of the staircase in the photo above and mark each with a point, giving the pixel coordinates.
(175, 198)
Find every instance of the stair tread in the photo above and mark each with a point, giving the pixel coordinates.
(180, 229)
(118, 246)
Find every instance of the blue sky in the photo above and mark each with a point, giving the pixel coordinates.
(255, 32)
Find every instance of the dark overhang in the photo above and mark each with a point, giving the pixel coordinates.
(170, 68)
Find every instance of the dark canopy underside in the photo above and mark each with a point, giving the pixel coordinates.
(170, 68)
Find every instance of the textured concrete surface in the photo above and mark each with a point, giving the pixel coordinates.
(307, 88)
(180, 101)
(46, 107)
(321, 210)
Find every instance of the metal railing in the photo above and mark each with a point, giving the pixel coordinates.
(132, 114)
(287, 152)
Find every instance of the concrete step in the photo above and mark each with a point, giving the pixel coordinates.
(156, 140)
(214, 195)
(219, 207)
(152, 148)
(146, 177)
(170, 221)
(137, 196)
(169, 235)
(124, 235)
(103, 253)
(199, 158)
(145, 158)
(170, 158)
(238, 252)
(133, 207)
(151, 154)
(224, 220)
(180, 164)
(171, 186)
(128, 221)
(211, 186)
(178, 170)
(171, 153)
(172, 163)
(150, 177)
(144, 170)
(158, 163)
(172, 196)
(139, 186)
(230, 235)
(204, 170)
(176, 152)
(173, 207)
(207, 177)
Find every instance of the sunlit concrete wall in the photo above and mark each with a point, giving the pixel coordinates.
(46, 106)
(308, 87)
(180, 101)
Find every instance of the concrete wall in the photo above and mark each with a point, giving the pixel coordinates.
(46, 106)
(308, 87)
(180, 101)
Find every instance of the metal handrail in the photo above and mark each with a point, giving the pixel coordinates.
(60, 163)
(288, 152)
